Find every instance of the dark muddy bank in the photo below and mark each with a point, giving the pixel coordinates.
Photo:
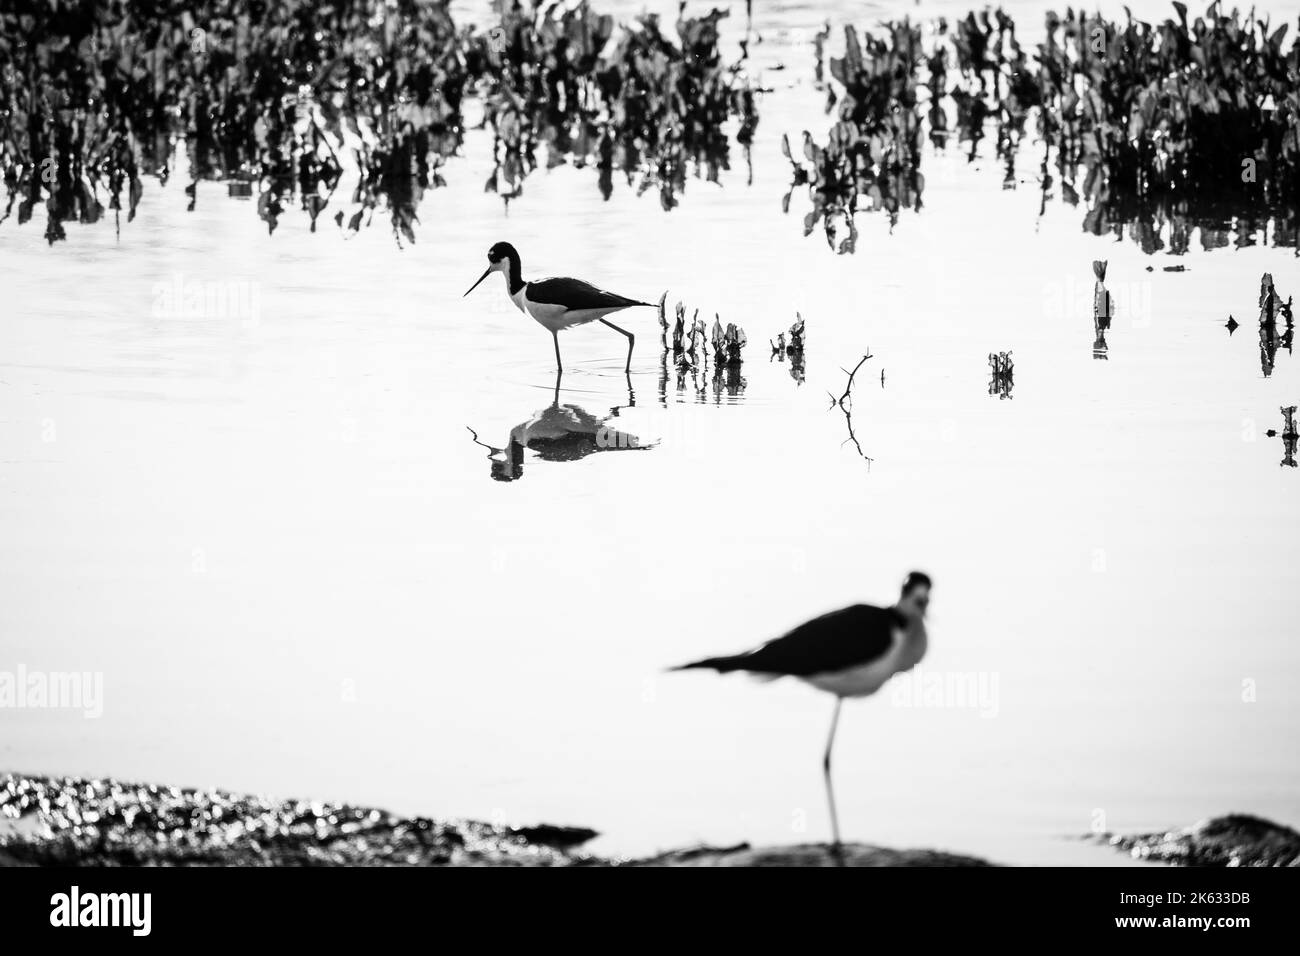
(69, 821)
(76, 822)
(1233, 840)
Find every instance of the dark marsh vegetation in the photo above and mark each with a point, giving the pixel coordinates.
(354, 107)
(1290, 436)
(633, 99)
(292, 101)
(1154, 128)
(691, 346)
(1002, 374)
(1276, 324)
(1103, 310)
(793, 348)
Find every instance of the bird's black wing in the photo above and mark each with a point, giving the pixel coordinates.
(576, 294)
(849, 637)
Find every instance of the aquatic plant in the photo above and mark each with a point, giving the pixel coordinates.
(687, 339)
(1003, 374)
(1158, 128)
(1288, 416)
(93, 96)
(795, 349)
(797, 333)
(595, 94)
(1188, 123)
(690, 354)
(285, 101)
(727, 343)
(695, 340)
(1276, 324)
(1103, 305)
(1290, 437)
(873, 152)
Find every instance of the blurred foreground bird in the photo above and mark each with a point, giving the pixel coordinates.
(851, 652)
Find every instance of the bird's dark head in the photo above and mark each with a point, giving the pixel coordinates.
(915, 596)
(502, 257)
(502, 252)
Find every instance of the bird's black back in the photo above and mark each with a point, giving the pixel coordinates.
(849, 637)
(576, 294)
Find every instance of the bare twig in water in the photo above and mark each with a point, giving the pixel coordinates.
(845, 404)
(849, 386)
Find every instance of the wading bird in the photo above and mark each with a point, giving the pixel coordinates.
(559, 303)
(849, 653)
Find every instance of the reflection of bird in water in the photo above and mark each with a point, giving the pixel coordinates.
(560, 433)
(849, 653)
(1099, 346)
(557, 304)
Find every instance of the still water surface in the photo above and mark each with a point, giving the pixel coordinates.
(276, 537)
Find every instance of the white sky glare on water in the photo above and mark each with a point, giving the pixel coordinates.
(275, 538)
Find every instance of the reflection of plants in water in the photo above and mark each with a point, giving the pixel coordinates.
(279, 99)
(727, 344)
(629, 99)
(1272, 335)
(691, 355)
(873, 152)
(1179, 123)
(1158, 127)
(1102, 310)
(845, 404)
(1290, 436)
(560, 433)
(688, 340)
(92, 97)
(794, 349)
(1003, 374)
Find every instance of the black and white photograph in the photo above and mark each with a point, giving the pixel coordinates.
(616, 436)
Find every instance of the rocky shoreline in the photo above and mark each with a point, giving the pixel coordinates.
(68, 821)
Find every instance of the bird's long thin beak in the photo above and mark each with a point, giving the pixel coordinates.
(487, 272)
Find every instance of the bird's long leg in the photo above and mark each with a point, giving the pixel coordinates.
(836, 850)
(559, 366)
(631, 341)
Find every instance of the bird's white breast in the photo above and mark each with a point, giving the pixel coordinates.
(904, 653)
(555, 317)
